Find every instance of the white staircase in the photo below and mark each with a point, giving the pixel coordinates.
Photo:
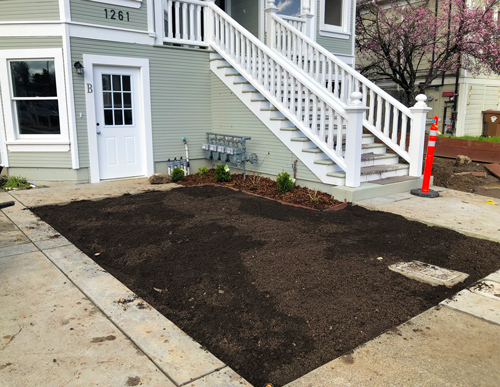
(309, 101)
(376, 163)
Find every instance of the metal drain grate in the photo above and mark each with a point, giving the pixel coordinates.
(427, 273)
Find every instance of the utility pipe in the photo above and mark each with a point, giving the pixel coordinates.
(187, 154)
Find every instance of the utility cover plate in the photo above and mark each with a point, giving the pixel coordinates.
(429, 274)
(487, 288)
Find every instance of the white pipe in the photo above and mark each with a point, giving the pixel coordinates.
(187, 154)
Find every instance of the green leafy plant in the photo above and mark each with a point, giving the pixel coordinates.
(222, 173)
(202, 171)
(13, 182)
(285, 182)
(314, 198)
(177, 174)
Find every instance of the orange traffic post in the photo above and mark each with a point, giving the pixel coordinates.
(425, 192)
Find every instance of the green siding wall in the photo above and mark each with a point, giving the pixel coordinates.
(335, 45)
(180, 95)
(246, 12)
(40, 159)
(231, 116)
(28, 10)
(85, 11)
(20, 42)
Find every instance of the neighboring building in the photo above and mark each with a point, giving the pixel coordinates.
(104, 89)
(475, 95)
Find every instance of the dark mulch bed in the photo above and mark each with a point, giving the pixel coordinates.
(263, 186)
(272, 290)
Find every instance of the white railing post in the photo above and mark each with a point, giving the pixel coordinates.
(307, 14)
(354, 138)
(270, 30)
(209, 23)
(159, 16)
(417, 135)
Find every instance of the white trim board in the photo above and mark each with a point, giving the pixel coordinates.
(89, 61)
(121, 3)
(3, 145)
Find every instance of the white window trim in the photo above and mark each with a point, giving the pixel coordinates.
(341, 32)
(89, 61)
(121, 3)
(34, 143)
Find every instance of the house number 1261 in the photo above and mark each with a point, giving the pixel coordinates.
(116, 15)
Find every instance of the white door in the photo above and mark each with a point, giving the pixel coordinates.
(118, 122)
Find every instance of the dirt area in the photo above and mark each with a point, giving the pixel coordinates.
(263, 186)
(461, 178)
(274, 291)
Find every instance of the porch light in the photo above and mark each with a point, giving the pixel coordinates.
(78, 67)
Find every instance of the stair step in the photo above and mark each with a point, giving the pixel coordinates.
(232, 74)
(269, 109)
(241, 83)
(249, 91)
(290, 129)
(279, 119)
(259, 100)
(300, 139)
(382, 168)
(228, 66)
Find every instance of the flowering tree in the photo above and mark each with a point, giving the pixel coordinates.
(413, 43)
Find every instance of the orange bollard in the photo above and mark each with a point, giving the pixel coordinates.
(425, 192)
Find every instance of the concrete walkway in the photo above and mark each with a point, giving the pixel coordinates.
(65, 321)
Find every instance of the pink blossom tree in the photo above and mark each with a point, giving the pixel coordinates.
(413, 43)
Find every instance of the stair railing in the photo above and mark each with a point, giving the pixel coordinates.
(309, 107)
(386, 117)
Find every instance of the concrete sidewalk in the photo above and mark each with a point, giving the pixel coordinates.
(65, 321)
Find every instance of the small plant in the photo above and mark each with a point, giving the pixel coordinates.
(285, 182)
(314, 198)
(256, 179)
(177, 174)
(15, 182)
(222, 173)
(202, 171)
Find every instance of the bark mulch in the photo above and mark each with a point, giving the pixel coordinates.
(274, 291)
(265, 187)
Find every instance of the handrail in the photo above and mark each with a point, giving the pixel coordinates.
(295, 22)
(308, 106)
(385, 114)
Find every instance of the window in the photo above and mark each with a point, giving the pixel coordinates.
(289, 7)
(32, 83)
(117, 100)
(34, 96)
(335, 18)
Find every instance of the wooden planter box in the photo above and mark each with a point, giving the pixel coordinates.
(488, 152)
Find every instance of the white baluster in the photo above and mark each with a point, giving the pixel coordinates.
(387, 118)
(395, 125)
(404, 124)
(191, 22)
(198, 23)
(185, 35)
(170, 33)
(177, 23)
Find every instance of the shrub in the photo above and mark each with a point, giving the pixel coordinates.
(177, 174)
(285, 182)
(15, 182)
(222, 173)
(202, 171)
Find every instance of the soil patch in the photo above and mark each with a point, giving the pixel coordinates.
(447, 174)
(272, 290)
(265, 187)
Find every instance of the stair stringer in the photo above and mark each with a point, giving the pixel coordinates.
(275, 126)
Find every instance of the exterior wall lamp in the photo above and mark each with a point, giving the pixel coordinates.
(78, 67)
